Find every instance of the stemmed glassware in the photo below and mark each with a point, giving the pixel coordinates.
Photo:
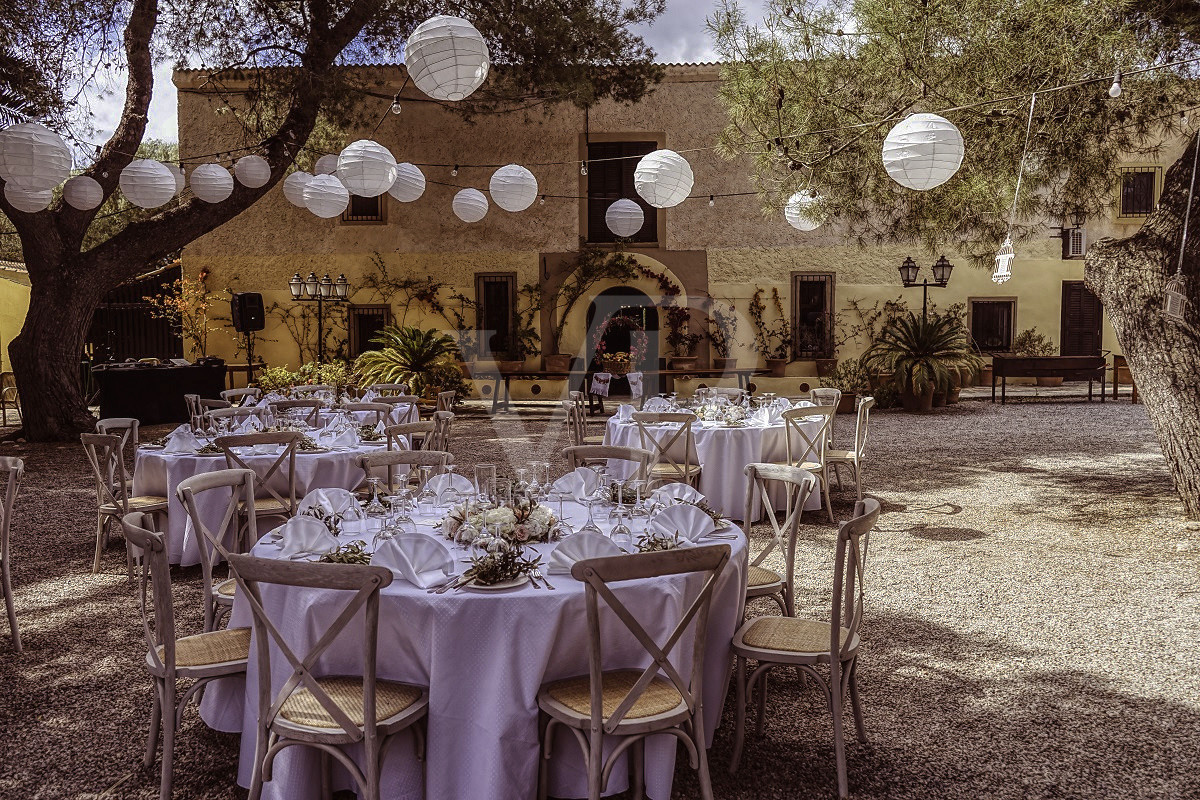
(450, 496)
(376, 512)
(639, 505)
(427, 497)
(621, 535)
(485, 483)
(590, 526)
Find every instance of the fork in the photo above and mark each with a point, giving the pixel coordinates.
(538, 576)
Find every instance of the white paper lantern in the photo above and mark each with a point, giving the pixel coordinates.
(326, 164)
(293, 188)
(33, 157)
(252, 171)
(180, 181)
(410, 183)
(470, 205)
(83, 193)
(366, 168)
(147, 183)
(624, 218)
(513, 187)
(211, 183)
(446, 57)
(923, 151)
(663, 178)
(799, 211)
(28, 200)
(325, 196)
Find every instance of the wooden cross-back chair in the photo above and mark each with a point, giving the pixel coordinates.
(127, 429)
(103, 452)
(240, 397)
(373, 463)
(417, 434)
(805, 449)
(806, 644)
(202, 658)
(644, 702)
(375, 412)
(853, 458)
(446, 400)
(281, 408)
(579, 400)
(206, 404)
(797, 484)
(827, 396)
(194, 410)
(223, 538)
(274, 503)
(306, 389)
(440, 438)
(386, 389)
(325, 712)
(13, 469)
(668, 466)
(590, 455)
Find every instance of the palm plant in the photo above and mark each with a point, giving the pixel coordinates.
(420, 358)
(921, 352)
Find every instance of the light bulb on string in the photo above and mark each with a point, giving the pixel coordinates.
(1183, 118)
(583, 168)
(711, 201)
(396, 107)
(542, 202)
(454, 172)
(1114, 91)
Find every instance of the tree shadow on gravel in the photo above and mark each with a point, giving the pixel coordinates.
(936, 533)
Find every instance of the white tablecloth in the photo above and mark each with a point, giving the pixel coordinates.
(158, 473)
(723, 454)
(483, 655)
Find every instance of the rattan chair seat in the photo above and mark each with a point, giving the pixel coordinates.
(761, 576)
(266, 506)
(575, 694)
(790, 635)
(217, 647)
(391, 698)
(227, 589)
(594, 439)
(145, 503)
(675, 470)
(839, 455)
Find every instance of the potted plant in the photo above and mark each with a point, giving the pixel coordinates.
(621, 362)
(680, 338)
(920, 352)
(773, 339)
(592, 266)
(409, 355)
(852, 380)
(722, 324)
(1031, 343)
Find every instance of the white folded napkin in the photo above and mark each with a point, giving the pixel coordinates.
(657, 404)
(578, 484)
(182, 440)
(625, 412)
(689, 522)
(439, 483)
(347, 438)
(250, 424)
(419, 559)
(304, 535)
(771, 414)
(677, 491)
(579, 546)
(332, 501)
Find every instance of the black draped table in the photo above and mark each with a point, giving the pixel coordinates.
(155, 394)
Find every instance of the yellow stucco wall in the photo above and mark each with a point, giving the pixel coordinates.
(263, 247)
(14, 302)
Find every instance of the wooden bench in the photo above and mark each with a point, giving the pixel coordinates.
(1071, 368)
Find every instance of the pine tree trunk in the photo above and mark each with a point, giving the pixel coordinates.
(47, 353)
(1130, 276)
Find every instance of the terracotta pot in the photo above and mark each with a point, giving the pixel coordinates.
(966, 376)
(1049, 381)
(848, 404)
(510, 366)
(939, 399)
(919, 403)
(776, 367)
(955, 387)
(558, 362)
(724, 364)
(879, 380)
(826, 366)
(464, 368)
(684, 362)
(985, 375)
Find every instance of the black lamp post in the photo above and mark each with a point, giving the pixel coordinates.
(320, 291)
(941, 277)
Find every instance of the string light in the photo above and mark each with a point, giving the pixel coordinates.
(396, 108)
(583, 168)
(542, 202)
(711, 201)
(1114, 91)
(454, 172)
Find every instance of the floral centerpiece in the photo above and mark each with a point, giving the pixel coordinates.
(621, 362)
(522, 521)
(721, 410)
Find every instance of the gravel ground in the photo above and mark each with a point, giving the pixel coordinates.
(1031, 628)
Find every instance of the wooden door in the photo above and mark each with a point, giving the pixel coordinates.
(1081, 319)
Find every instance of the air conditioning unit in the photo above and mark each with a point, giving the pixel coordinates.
(1074, 242)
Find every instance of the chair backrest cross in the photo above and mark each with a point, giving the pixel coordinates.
(241, 397)
(445, 401)
(311, 410)
(849, 582)
(440, 438)
(103, 451)
(865, 404)
(585, 455)
(385, 389)
(597, 575)
(576, 426)
(284, 464)
(374, 413)
(806, 435)
(659, 435)
(396, 434)
(154, 591)
(389, 460)
(797, 484)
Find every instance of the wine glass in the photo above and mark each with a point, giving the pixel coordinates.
(590, 526)
(376, 512)
(639, 505)
(485, 483)
(401, 507)
(450, 496)
(427, 497)
(621, 535)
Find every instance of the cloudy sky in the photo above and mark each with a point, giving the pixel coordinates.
(678, 35)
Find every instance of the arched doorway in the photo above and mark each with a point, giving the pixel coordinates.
(628, 302)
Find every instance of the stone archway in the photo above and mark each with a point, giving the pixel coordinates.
(628, 302)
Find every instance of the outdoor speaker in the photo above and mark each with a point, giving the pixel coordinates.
(247, 311)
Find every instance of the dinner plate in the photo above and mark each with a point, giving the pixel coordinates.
(520, 580)
(209, 455)
(315, 451)
(153, 447)
(373, 444)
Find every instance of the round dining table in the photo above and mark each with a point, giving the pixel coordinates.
(157, 473)
(483, 655)
(722, 452)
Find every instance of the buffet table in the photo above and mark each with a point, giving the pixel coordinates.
(155, 394)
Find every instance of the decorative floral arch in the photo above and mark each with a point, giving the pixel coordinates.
(639, 343)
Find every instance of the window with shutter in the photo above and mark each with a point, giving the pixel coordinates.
(1139, 190)
(610, 178)
(496, 303)
(366, 209)
(812, 304)
(992, 324)
(364, 323)
(1081, 319)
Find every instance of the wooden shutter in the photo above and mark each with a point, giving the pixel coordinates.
(1081, 318)
(609, 178)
